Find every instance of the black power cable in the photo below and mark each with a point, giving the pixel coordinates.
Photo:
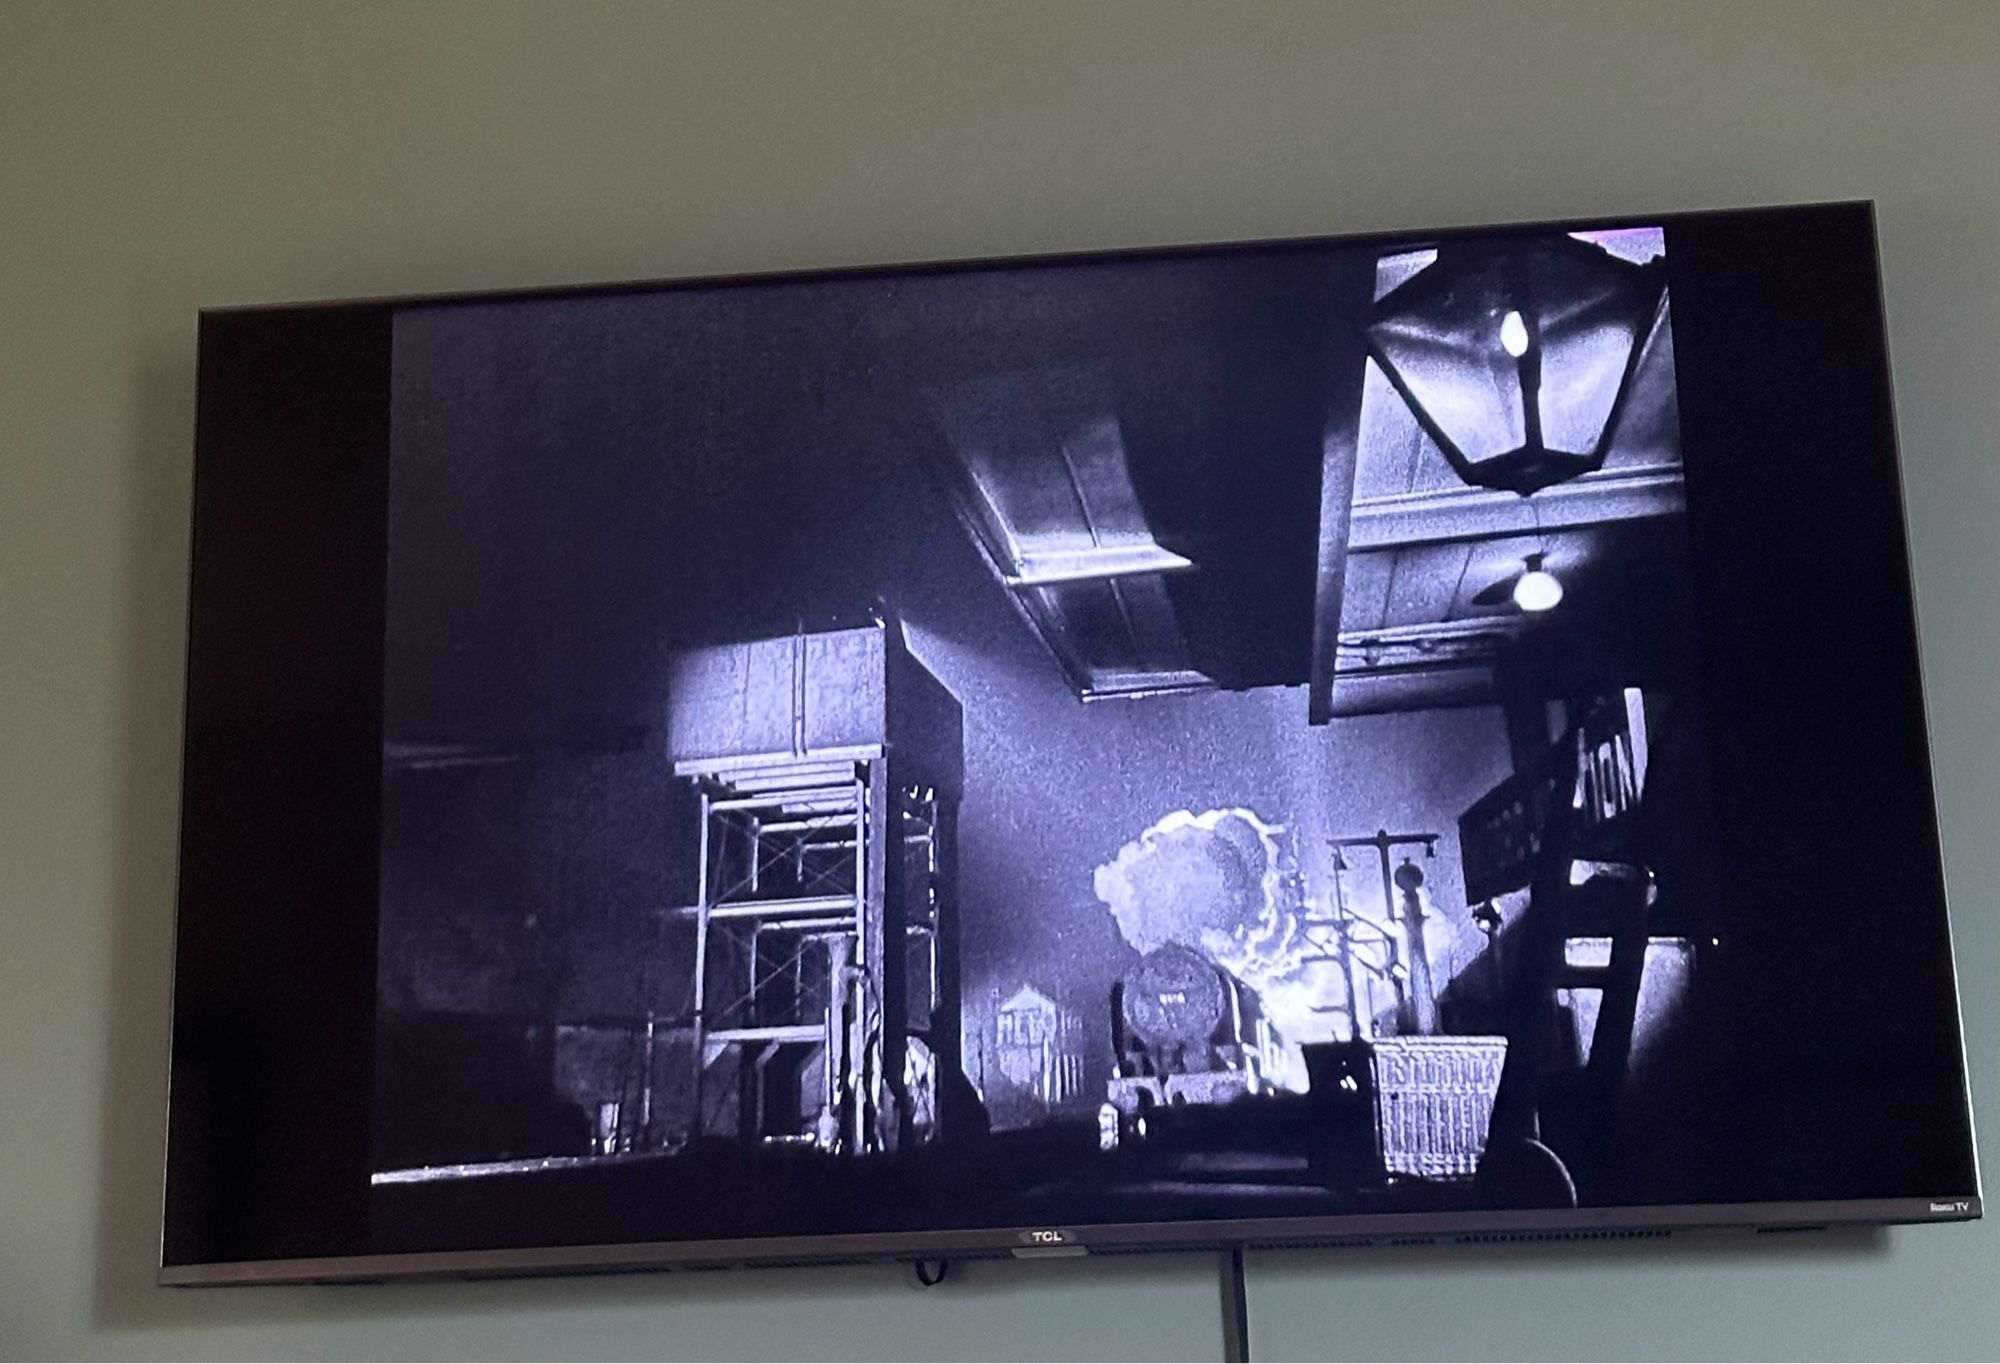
(930, 1273)
(1235, 1309)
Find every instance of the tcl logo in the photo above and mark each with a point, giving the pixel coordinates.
(1048, 1238)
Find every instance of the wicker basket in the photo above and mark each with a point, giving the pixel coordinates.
(1434, 1102)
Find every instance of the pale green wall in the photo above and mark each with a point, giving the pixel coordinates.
(157, 157)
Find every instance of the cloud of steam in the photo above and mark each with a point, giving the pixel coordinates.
(1205, 881)
(1225, 883)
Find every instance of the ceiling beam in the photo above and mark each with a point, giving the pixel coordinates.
(1340, 450)
(1457, 515)
(1469, 683)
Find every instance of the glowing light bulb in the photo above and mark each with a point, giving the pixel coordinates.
(1514, 335)
(1537, 589)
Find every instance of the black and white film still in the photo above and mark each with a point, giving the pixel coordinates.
(1159, 739)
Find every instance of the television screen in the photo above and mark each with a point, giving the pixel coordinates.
(1416, 735)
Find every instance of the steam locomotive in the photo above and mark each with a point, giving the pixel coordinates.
(1184, 1032)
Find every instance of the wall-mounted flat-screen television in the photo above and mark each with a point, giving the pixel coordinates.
(1371, 737)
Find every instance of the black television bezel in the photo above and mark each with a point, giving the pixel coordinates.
(326, 558)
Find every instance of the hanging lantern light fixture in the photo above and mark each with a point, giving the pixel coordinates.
(1516, 355)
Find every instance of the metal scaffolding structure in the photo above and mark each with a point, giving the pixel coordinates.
(817, 958)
